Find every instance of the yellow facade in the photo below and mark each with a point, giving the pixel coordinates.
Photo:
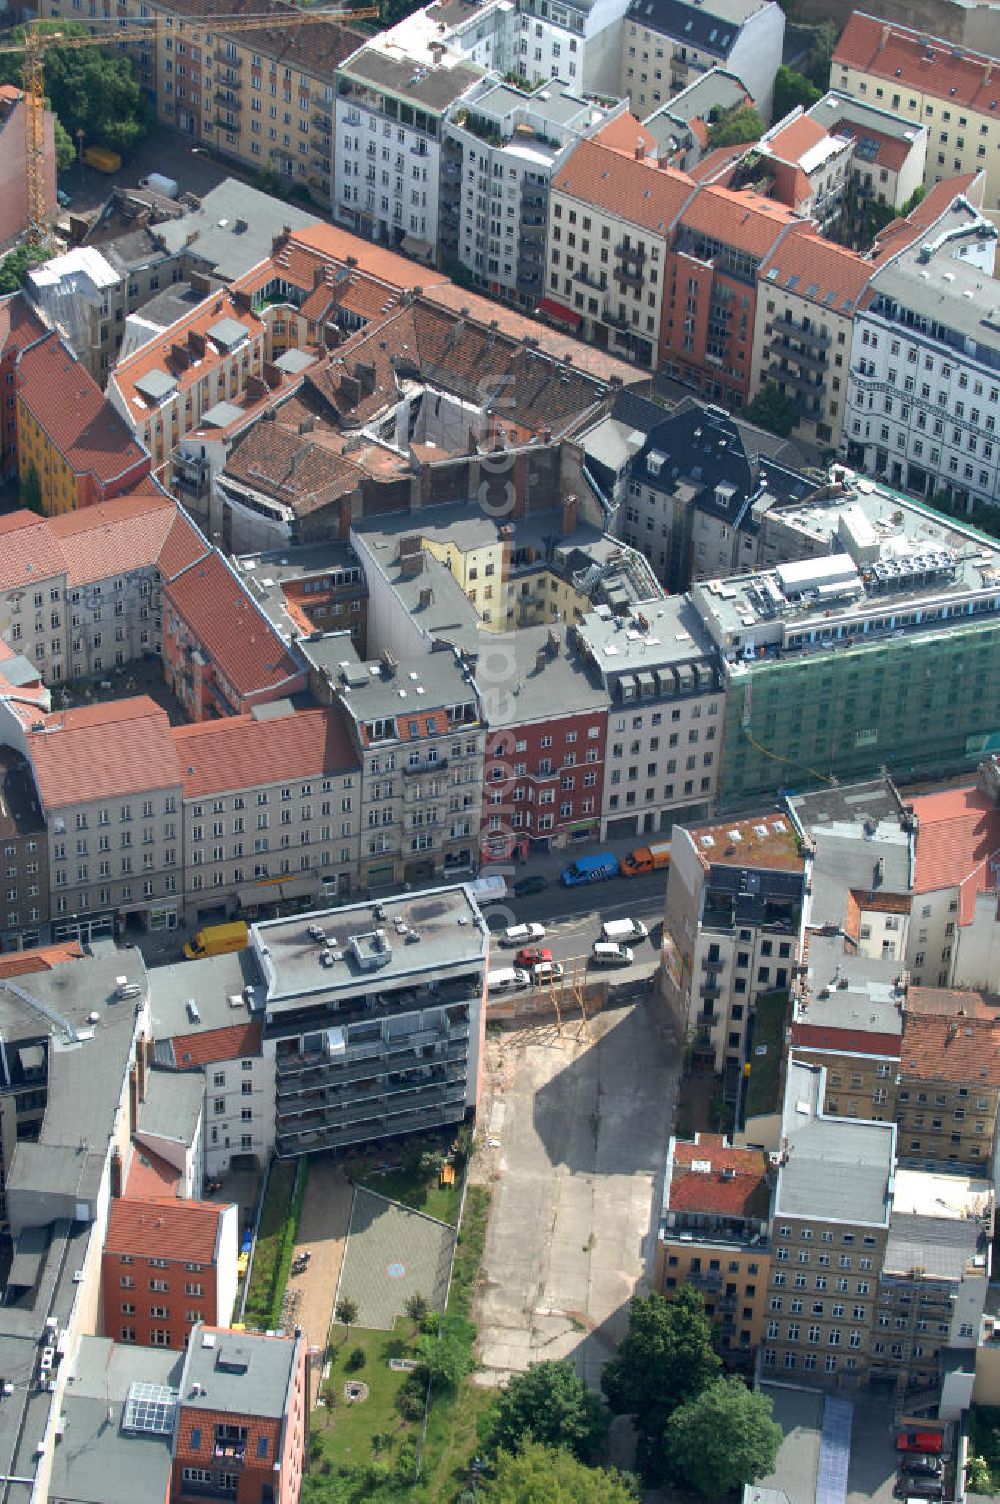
(36, 452)
(733, 1281)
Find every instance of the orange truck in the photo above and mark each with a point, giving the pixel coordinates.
(644, 859)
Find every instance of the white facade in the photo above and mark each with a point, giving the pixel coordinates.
(239, 1110)
(924, 390)
(660, 58)
(386, 175)
(580, 43)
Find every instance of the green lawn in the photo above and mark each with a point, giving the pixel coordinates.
(270, 1240)
(765, 1070)
(346, 1433)
(418, 1190)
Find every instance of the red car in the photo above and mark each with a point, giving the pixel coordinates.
(531, 955)
(929, 1442)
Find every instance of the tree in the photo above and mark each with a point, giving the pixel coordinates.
(447, 1357)
(770, 409)
(821, 54)
(548, 1404)
(733, 127)
(15, 267)
(978, 1477)
(722, 1438)
(416, 1308)
(791, 89)
(550, 1475)
(88, 89)
(65, 150)
(666, 1359)
(347, 1313)
(329, 1398)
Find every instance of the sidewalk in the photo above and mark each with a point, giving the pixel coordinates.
(550, 863)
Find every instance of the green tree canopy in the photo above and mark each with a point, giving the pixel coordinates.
(791, 89)
(548, 1403)
(89, 90)
(65, 150)
(446, 1356)
(550, 1475)
(14, 267)
(773, 411)
(722, 1438)
(666, 1358)
(736, 126)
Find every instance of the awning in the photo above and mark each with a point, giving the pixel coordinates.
(548, 309)
(414, 246)
(251, 896)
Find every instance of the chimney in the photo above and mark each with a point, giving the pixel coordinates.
(116, 1172)
(140, 1064)
(639, 150)
(242, 301)
(541, 659)
(133, 1100)
(569, 515)
(426, 597)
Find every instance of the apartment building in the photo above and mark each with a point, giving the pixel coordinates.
(578, 41)
(168, 1265)
(241, 1415)
(830, 1227)
(221, 654)
(500, 149)
(392, 97)
(14, 206)
(730, 930)
(714, 1234)
(667, 46)
(271, 809)
(109, 786)
(313, 588)
(73, 448)
(661, 677)
(923, 387)
(954, 905)
(932, 1289)
(385, 1038)
(950, 89)
(888, 155)
(680, 128)
(419, 730)
(20, 326)
(884, 672)
(80, 293)
(24, 843)
(609, 235)
(949, 1082)
(543, 784)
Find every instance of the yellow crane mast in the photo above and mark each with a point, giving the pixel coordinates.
(36, 43)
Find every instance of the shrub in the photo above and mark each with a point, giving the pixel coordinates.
(356, 1359)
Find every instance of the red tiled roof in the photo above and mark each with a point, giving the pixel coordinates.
(958, 832)
(65, 400)
(891, 152)
(845, 1041)
(28, 551)
(734, 1184)
(624, 134)
(912, 60)
(714, 164)
(793, 140)
(183, 546)
(739, 218)
(233, 1042)
(150, 1176)
(225, 619)
(952, 1001)
(239, 752)
(103, 751)
(185, 369)
(20, 963)
(329, 243)
(164, 1229)
(114, 537)
(939, 1048)
(821, 270)
(639, 193)
(20, 325)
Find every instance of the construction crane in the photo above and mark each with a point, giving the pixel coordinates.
(37, 42)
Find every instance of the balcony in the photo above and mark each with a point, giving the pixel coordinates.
(631, 278)
(227, 100)
(227, 60)
(425, 765)
(323, 122)
(588, 280)
(794, 378)
(634, 253)
(787, 348)
(785, 324)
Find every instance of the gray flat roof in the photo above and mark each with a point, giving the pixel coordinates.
(851, 803)
(294, 361)
(846, 859)
(233, 227)
(210, 983)
(799, 1413)
(835, 107)
(942, 1247)
(228, 333)
(431, 88)
(836, 1169)
(542, 678)
(674, 635)
(552, 103)
(239, 1372)
(156, 384)
(419, 685)
(172, 1106)
(869, 1004)
(99, 1462)
(220, 415)
(452, 935)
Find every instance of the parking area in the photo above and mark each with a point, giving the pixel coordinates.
(834, 1446)
(573, 1137)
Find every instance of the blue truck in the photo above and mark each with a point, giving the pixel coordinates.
(590, 869)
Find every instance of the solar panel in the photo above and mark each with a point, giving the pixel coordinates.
(834, 1452)
(150, 1409)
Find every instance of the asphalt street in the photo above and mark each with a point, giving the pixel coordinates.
(573, 916)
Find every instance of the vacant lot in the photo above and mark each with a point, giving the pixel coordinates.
(579, 1127)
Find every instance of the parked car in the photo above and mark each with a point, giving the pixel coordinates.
(909, 1486)
(922, 1462)
(532, 955)
(507, 979)
(620, 931)
(920, 1441)
(546, 971)
(525, 886)
(519, 934)
(605, 953)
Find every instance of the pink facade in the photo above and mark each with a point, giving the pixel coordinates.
(13, 167)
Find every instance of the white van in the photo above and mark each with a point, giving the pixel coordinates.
(622, 930)
(492, 889)
(508, 979)
(546, 971)
(610, 953)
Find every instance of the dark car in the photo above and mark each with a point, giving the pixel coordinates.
(921, 1464)
(913, 1486)
(525, 886)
